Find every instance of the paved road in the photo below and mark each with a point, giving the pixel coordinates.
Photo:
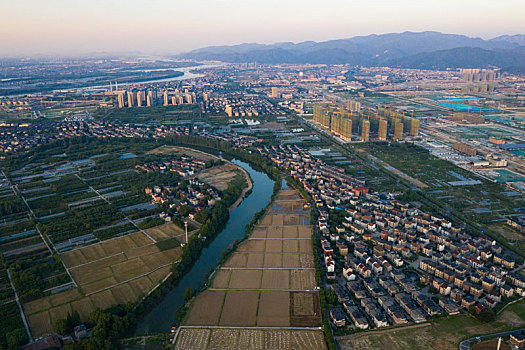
(465, 344)
(20, 307)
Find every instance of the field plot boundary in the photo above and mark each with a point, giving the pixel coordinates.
(258, 266)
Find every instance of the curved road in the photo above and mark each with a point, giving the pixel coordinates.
(465, 344)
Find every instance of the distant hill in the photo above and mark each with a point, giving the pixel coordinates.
(516, 39)
(461, 57)
(430, 50)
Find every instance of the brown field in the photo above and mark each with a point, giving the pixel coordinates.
(139, 238)
(155, 260)
(303, 279)
(116, 271)
(305, 246)
(240, 308)
(192, 339)
(221, 279)
(40, 323)
(307, 260)
(278, 219)
(206, 308)
(141, 286)
(275, 231)
(86, 274)
(129, 269)
(225, 339)
(268, 261)
(259, 339)
(158, 275)
(490, 345)
(290, 246)
(274, 245)
(255, 260)
(165, 231)
(303, 304)
(305, 231)
(219, 176)
(507, 232)
(259, 232)
(83, 306)
(103, 300)
(245, 279)
(289, 231)
(305, 309)
(183, 150)
(273, 260)
(252, 245)
(274, 309)
(291, 260)
(59, 313)
(61, 298)
(74, 257)
(237, 260)
(291, 220)
(275, 279)
(267, 220)
(99, 285)
(37, 305)
(123, 294)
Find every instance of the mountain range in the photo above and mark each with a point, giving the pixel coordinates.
(424, 50)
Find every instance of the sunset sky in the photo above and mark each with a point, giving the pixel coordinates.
(164, 26)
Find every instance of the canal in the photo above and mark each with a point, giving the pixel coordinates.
(162, 316)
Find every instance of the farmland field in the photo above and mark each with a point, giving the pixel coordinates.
(259, 339)
(115, 271)
(260, 286)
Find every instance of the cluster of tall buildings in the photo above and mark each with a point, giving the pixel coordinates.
(384, 123)
(150, 97)
(479, 75)
(480, 80)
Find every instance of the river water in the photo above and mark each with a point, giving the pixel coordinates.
(189, 73)
(162, 316)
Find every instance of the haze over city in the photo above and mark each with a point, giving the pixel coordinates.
(61, 27)
(240, 174)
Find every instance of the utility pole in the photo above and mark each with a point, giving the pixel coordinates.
(186, 227)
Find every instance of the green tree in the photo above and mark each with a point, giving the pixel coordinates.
(188, 294)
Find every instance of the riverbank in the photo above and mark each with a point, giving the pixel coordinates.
(162, 316)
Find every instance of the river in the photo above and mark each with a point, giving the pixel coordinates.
(162, 316)
(188, 74)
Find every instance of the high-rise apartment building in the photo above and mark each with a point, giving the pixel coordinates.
(275, 92)
(398, 130)
(353, 106)
(130, 99)
(383, 130)
(166, 98)
(139, 98)
(365, 130)
(121, 100)
(414, 127)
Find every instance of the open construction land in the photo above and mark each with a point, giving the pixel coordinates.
(218, 176)
(115, 271)
(269, 281)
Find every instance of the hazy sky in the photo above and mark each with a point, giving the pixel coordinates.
(172, 26)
